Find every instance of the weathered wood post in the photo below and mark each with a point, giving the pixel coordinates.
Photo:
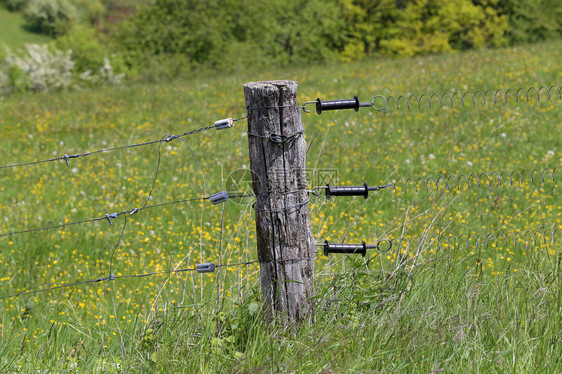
(286, 247)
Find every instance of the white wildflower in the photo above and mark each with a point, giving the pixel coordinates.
(46, 68)
(107, 74)
(4, 82)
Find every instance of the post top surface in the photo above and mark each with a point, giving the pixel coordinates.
(277, 83)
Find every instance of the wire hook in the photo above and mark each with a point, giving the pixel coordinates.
(307, 103)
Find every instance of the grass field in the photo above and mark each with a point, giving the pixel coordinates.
(426, 308)
(13, 31)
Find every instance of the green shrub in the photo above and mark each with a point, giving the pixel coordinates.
(233, 34)
(17, 80)
(367, 23)
(531, 20)
(14, 5)
(89, 10)
(87, 50)
(52, 17)
(40, 69)
(426, 26)
(208, 33)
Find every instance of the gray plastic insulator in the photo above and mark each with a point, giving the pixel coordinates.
(206, 268)
(219, 197)
(224, 123)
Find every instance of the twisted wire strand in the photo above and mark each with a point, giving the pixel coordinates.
(66, 157)
(107, 217)
(484, 179)
(111, 216)
(53, 286)
(463, 98)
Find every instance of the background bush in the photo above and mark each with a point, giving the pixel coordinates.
(226, 33)
(15, 4)
(87, 49)
(40, 69)
(430, 26)
(223, 33)
(531, 20)
(51, 17)
(149, 39)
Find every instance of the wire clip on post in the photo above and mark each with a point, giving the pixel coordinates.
(336, 105)
(382, 246)
(219, 197)
(208, 267)
(352, 190)
(224, 124)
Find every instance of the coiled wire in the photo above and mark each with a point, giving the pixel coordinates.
(484, 179)
(527, 238)
(459, 98)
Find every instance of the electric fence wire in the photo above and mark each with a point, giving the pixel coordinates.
(111, 216)
(473, 97)
(166, 139)
(527, 238)
(480, 240)
(112, 277)
(482, 179)
(383, 103)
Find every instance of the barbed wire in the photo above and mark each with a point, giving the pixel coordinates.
(219, 125)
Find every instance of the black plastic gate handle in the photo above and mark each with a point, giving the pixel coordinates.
(345, 248)
(383, 245)
(337, 104)
(350, 191)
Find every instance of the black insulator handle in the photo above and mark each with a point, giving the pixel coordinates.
(347, 191)
(345, 248)
(337, 104)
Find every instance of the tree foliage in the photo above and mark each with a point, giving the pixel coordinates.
(223, 32)
(226, 32)
(422, 26)
(532, 20)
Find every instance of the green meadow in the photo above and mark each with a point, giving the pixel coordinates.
(437, 305)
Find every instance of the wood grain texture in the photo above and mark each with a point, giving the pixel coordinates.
(282, 214)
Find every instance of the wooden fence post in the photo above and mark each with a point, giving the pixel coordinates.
(286, 247)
